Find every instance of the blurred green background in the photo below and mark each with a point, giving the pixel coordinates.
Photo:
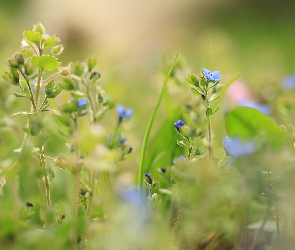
(131, 38)
(134, 41)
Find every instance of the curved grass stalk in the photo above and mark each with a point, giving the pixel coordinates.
(150, 124)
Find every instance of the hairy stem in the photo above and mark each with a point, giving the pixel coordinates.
(49, 79)
(46, 180)
(31, 92)
(91, 103)
(77, 192)
(38, 85)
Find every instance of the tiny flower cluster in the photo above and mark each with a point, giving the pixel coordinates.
(178, 124)
(124, 113)
(212, 76)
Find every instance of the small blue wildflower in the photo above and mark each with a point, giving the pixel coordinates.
(255, 105)
(182, 158)
(236, 147)
(116, 139)
(128, 113)
(163, 170)
(130, 150)
(178, 124)
(132, 197)
(82, 102)
(212, 76)
(148, 176)
(120, 110)
(288, 83)
(123, 113)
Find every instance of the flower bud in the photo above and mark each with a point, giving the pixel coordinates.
(57, 50)
(95, 76)
(65, 71)
(20, 59)
(39, 28)
(13, 63)
(28, 69)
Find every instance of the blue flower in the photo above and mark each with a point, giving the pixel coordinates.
(182, 158)
(117, 139)
(148, 176)
(163, 170)
(123, 113)
(288, 83)
(212, 76)
(131, 196)
(236, 147)
(82, 102)
(128, 113)
(178, 124)
(255, 105)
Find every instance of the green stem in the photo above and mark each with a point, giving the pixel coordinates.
(31, 93)
(150, 124)
(38, 85)
(44, 101)
(49, 78)
(210, 150)
(91, 104)
(46, 180)
(77, 192)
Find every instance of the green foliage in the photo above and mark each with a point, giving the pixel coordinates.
(65, 184)
(45, 62)
(250, 124)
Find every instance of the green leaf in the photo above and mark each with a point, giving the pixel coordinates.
(39, 28)
(196, 90)
(50, 42)
(51, 90)
(32, 36)
(59, 163)
(208, 112)
(19, 94)
(36, 127)
(27, 53)
(150, 124)
(7, 78)
(215, 111)
(91, 63)
(249, 123)
(214, 97)
(27, 92)
(45, 62)
(49, 87)
(192, 80)
(15, 76)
